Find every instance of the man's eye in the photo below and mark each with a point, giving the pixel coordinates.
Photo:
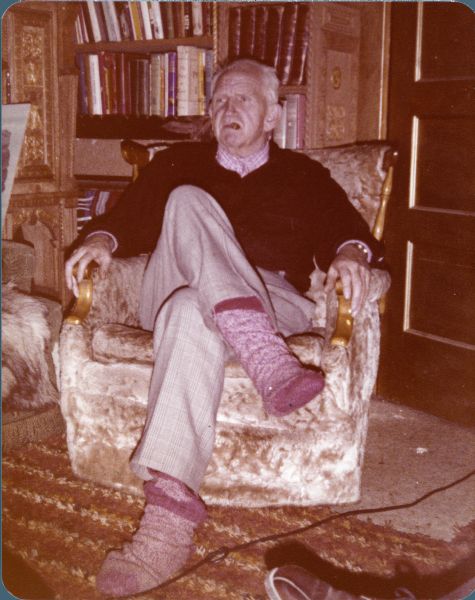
(243, 98)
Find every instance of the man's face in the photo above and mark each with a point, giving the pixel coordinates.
(241, 114)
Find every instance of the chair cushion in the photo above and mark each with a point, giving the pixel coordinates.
(114, 342)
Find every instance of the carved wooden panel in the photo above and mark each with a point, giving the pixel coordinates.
(333, 75)
(34, 79)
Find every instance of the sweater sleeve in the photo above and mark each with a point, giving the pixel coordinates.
(337, 221)
(136, 219)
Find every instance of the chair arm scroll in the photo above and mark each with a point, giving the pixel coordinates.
(83, 302)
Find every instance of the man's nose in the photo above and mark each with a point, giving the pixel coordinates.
(230, 105)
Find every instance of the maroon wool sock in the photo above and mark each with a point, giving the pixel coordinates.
(282, 381)
(161, 545)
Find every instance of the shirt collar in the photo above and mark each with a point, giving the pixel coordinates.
(243, 166)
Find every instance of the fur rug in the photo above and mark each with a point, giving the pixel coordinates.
(26, 352)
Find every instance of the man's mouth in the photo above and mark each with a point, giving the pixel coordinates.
(233, 125)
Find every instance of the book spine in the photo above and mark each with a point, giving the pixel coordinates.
(95, 29)
(95, 95)
(262, 17)
(234, 34)
(156, 20)
(182, 81)
(201, 81)
(86, 23)
(297, 73)
(291, 129)
(78, 36)
(301, 115)
(110, 79)
(194, 81)
(169, 19)
(178, 19)
(280, 131)
(102, 78)
(274, 35)
(187, 19)
(155, 84)
(166, 78)
(248, 32)
(163, 80)
(289, 24)
(209, 64)
(82, 84)
(145, 20)
(111, 20)
(197, 18)
(136, 20)
(207, 10)
(172, 83)
(125, 21)
(101, 20)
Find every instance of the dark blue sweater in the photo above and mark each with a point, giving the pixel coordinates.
(284, 213)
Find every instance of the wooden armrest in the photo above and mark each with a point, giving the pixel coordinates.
(83, 302)
(344, 322)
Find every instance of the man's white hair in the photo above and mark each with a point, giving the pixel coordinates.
(266, 74)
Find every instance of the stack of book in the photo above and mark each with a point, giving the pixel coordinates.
(290, 131)
(111, 21)
(93, 202)
(275, 34)
(168, 84)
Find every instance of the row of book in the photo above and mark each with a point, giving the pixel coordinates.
(277, 35)
(110, 21)
(94, 202)
(290, 131)
(165, 84)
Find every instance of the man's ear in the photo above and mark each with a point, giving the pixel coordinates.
(273, 116)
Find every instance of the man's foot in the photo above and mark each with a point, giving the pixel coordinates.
(161, 545)
(292, 582)
(281, 380)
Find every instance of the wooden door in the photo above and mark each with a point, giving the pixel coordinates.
(428, 358)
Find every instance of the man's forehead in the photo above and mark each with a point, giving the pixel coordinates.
(239, 79)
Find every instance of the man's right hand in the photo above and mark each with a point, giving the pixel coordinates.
(96, 248)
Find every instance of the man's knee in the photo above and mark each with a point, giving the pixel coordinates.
(186, 196)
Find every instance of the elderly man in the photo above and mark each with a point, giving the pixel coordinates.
(235, 227)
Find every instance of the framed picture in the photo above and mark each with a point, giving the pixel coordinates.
(14, 118)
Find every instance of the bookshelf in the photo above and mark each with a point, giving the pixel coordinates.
(140, 111)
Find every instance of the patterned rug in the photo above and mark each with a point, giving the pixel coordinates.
(62, 527)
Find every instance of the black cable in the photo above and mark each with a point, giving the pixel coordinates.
(223, 552)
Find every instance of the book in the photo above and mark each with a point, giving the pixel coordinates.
(156, 20)
(209, 65)
(262, 16)
(85, 21)
(279, 132)
(178, 19)
(125, 20)
(101, 20)
(201, 81)
(183, 80)
(135, 17)
(94, 22)
(234, 33)
(155, 84)
(110, 83)
(274, 35)
(168, 19)
(302, 34)
(248, 32)
(111, 21)
(289, 24)
(197, 18)
(187, 19)
(93, 81)
(145, 20)
(82, 85)
(207, 11)
(301, 116)
(172, 83)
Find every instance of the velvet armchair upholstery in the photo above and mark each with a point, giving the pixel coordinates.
(313, 456)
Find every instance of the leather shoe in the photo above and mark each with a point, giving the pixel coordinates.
(291, 582)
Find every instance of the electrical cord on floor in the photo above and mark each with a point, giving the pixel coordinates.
(223, 552)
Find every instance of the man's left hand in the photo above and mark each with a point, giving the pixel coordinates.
(351, 266)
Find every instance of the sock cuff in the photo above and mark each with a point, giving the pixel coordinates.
(190, 506)
(240, 303)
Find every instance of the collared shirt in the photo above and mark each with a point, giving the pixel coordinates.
(242, 166)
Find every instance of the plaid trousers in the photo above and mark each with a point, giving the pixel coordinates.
(197, 263)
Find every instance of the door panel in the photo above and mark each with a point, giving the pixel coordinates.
(428, 348)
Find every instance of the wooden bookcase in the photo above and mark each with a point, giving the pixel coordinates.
(141, 127)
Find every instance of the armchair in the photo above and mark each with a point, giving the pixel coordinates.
(313, 456)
